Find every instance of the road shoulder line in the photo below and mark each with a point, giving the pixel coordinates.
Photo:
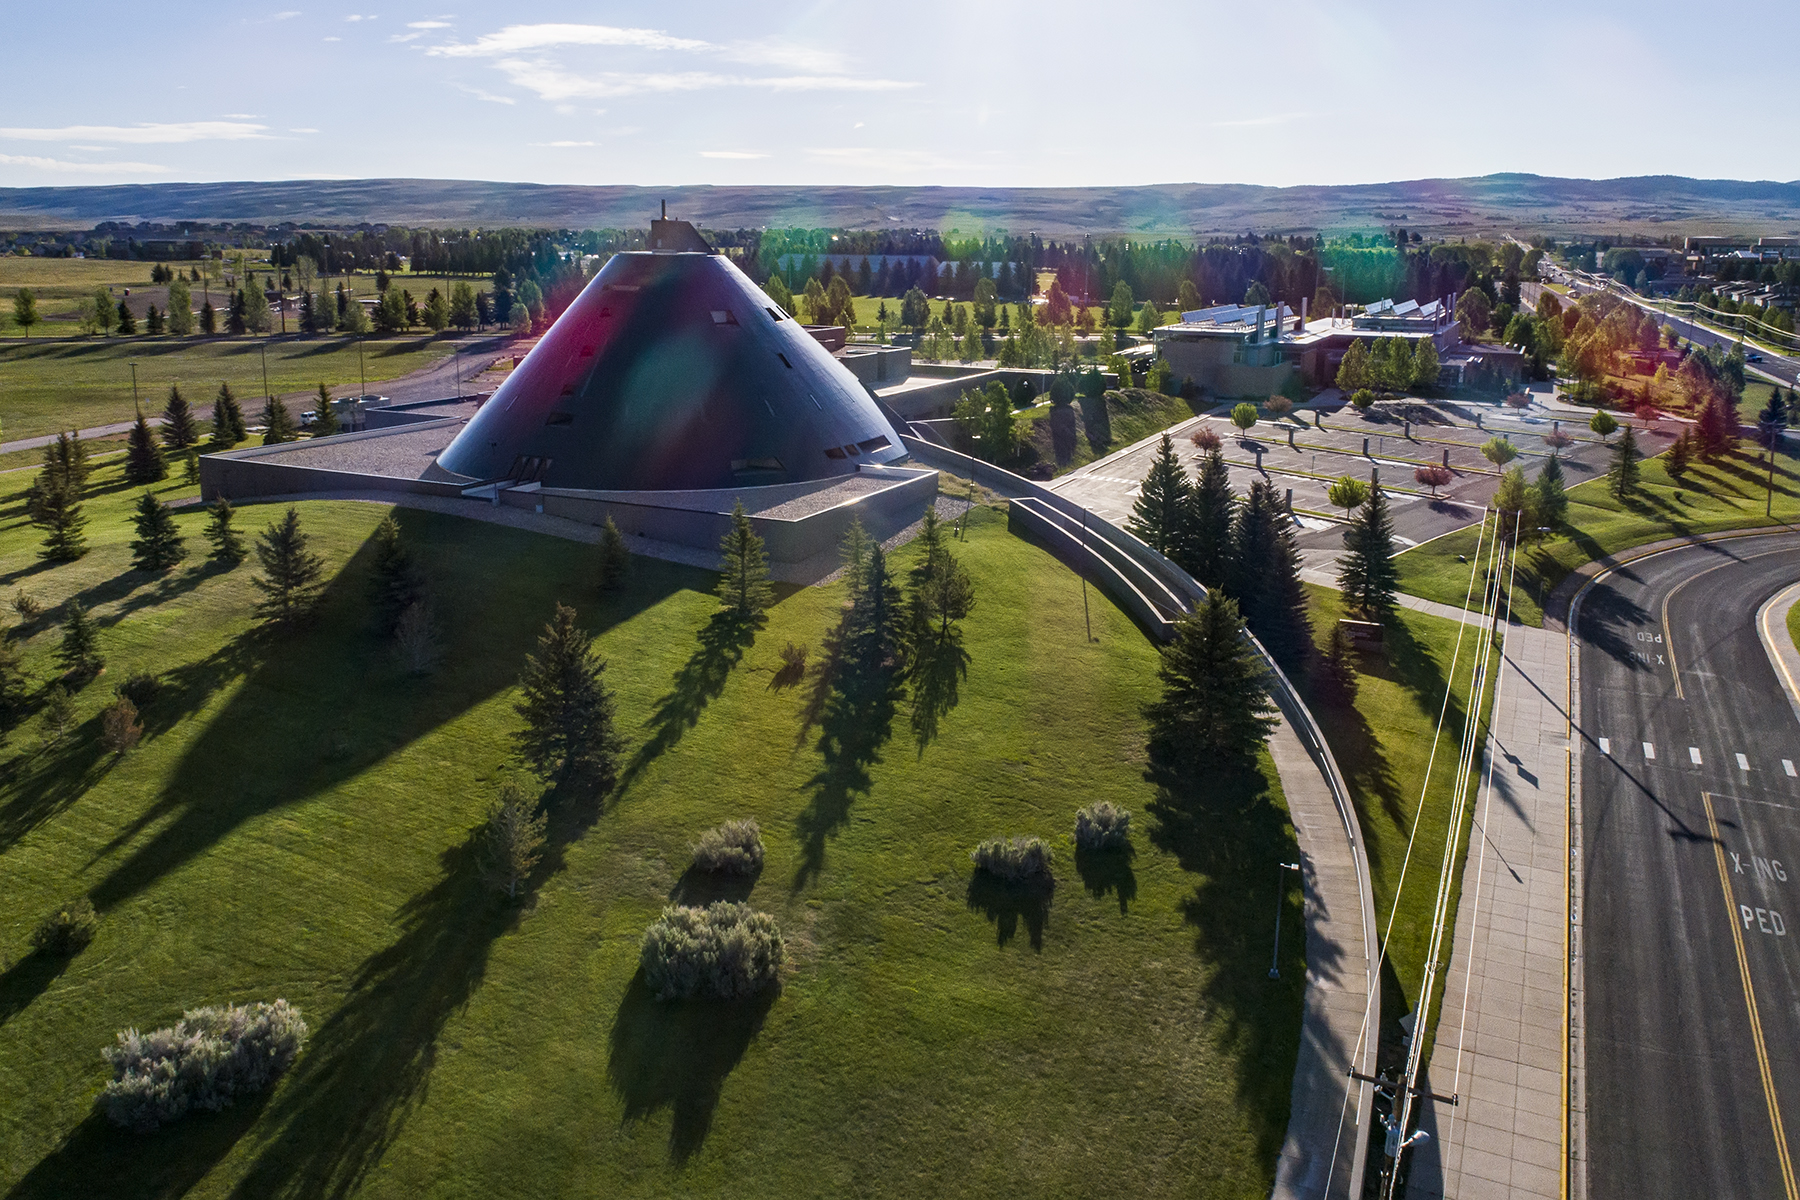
(1771, 626)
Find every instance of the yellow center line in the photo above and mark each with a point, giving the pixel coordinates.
(1756, 1031)
(1669, 635)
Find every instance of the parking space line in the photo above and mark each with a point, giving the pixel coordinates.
(1787, 764)
(1650, 751)
(1694, 754)
(1743, 763)
(1605, 746)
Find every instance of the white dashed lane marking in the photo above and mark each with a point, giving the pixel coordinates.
(1605, 746)
(1743, 763)
(1694, 755)
(1787, 764)
(1650, 751)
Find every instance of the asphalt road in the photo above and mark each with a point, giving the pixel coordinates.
(1689, 788)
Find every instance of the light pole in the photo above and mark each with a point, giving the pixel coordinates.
(1281, 870)
(135, 402)
(267, 394)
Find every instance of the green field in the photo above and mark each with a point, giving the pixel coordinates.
(1729, 494)
(49, 386)
(298, 821)
(1382, 744)
(1793, 625)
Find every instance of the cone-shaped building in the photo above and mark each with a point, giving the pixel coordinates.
(673, 371)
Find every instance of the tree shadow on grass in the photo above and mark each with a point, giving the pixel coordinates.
(97, 1158)
(321, 705)
(1008, 905)
(28, 979)
(700, 888)
(38, 786)
(676, 1055)
(1223, 827)
(722, 642)
(939, 666)
(1104, 871)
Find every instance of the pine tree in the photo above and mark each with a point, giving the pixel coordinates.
(568, 711)
(291, 575)
(209, 318)
(227, 543)
(1208, 552)
(158, 545)
(1159, 517)
(325, 422)
(127, 322)
(278, 422)
(1552, 498)
(191, 466)
(1718, 424)
(395, 583)
(853, 552)
(1266, 570)
(15, 685)
(1622, 475)
(144, 462)
(874, 635)
(1367, 574)
(53, 502)
(79, 650)
(946, 595)
(179, 431)
(1215, 708)
(512, 841)
(1681, 456)
(58, 714)
(228, 419)
(744, 581)
(614, 558)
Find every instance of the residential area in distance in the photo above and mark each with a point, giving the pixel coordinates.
(902, 663)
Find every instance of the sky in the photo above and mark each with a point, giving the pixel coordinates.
(996, 94)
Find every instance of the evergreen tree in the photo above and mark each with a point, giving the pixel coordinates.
(1718, 424)
(512, 841)
(158, 545)
(53, 502)
(568, 712)
(227, 543)
(144, 462)
(946, 595)
(79, 650)
(58, 713)
(278, 422)
(1266, 569)
(1209, 521)
(744, 581)
(874, 636)
(1552, 498)
(615, 558)
(228, 419)
(1516, 503)
(291, 575)
(1622, 475)
(1215, 708)
(178, 431)
(325, 422)
(209, 319)
(127, 322)
(1681, 456)
(1367, 574)
(395, 583)
(235, 315)
(15, 685)
(1160, 515)
(853, 552)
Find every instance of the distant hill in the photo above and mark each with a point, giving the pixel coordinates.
(1651, 204)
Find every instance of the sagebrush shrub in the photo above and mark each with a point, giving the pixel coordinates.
(67, 930)
(724, 950)
(206, 1060)
(734, 848)
(140, 687)
(1102, 826)
(1015, 859)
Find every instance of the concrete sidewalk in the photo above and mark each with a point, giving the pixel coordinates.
(1501, 1034)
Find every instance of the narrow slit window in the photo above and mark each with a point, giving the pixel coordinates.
(775, 314)
(878, 442)
(784, 360)
(834, 452)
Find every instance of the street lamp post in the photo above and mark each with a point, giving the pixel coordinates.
(267, 394)
(135, 402)
(1281, 870)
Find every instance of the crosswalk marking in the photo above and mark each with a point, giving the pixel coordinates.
(1743, 763)
(1694, 754)
(1649, 751)
(1605, 746)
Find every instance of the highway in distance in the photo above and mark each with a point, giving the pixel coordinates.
(1688, 890)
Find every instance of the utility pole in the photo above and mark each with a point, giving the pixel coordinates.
(1281, 870)
(267, 394)
(135, 403)
(361, 373)
(1085, 615)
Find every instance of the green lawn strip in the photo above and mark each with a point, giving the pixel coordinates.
(1382, 744)
(1715, 497)
(297, 822)
(1141, 415)
(1793, 625)
(49, 386)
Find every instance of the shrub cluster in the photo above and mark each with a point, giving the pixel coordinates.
(209, 1058)
(724, 950)
(1015, 860)
(66, 931)
(734, 848)
(1103, 826)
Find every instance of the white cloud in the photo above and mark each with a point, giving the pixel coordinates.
(73, 168)
(488, 96)
(91, 149)
(285, 16)
(428, 24)
(730, 154)
(404, 37)
(360, 17)
(331, 39)
(517, 38)
(551, 82)
(240, 116)
(144, 134)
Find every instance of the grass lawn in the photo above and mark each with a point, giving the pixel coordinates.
(1130, 416)
(1382, 743)
(1793, 625)
(1728, 494)
(49, 386)
(297, 823)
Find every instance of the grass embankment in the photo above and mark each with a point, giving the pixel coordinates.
(1793, 625)
(298, 823)
(62, 385)
(1106, 425)
(1382, 744)
(1714, 497)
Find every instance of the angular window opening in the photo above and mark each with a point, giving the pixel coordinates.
(775, 313)
(784, 360)
(723, 316)
(852, 451)
(834, 452)
(878, 442)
